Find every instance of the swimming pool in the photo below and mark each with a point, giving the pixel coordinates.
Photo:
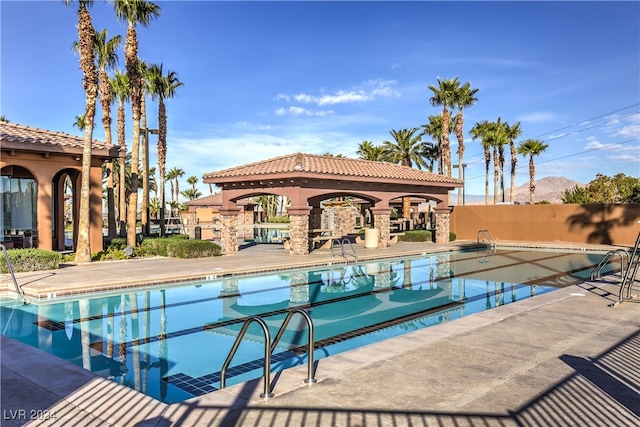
(171, 342)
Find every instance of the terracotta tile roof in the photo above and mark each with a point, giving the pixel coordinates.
(15, 136)
(212, 200)
(301, 164)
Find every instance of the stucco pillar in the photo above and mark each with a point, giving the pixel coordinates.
(229, 230)
(382, 222)
(299, 229)
(442, 215)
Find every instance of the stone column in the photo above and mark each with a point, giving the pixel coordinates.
(382, 221)
(299, 230)
(229, 230)
(442, 224)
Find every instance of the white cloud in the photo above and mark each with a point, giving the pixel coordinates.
(538, 117)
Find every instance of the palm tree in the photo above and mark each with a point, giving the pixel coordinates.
(532, 147)
(513, 132)
(444, 96)
(498, 139)
(481, 131)
(134, 12)
(107, 58)
(90, 84)
(434, 130)
(463, 98)
(192, 180)
(120, 91)
(174, 174)
(368, 151)
(406, 149)
(191, 193)
(430, 153)
(162, 87)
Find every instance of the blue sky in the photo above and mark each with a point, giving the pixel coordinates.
(264, 79)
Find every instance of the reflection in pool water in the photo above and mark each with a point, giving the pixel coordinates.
(171, 342)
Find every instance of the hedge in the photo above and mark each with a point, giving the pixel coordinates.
(30, 260)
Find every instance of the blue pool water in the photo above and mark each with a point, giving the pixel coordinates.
(171, 342)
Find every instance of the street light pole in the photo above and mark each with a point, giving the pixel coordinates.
(146, 222)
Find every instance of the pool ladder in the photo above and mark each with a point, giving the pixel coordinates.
(10, 267)
(269, 347)
(485, 236)
(595, 274)
(629, 276)
(344, 244)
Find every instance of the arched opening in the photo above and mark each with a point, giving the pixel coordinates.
(19, 220)
(66, 202)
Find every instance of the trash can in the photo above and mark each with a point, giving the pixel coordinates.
(371, 237)
(27, 239)
(198, 233)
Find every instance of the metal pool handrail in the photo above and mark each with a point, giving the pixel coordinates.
(267, 355)
(595, 274)
(486, 234)
(310, 361)
(269, 347)
(343, 253)
(10, 267)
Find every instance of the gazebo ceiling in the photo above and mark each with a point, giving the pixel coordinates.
(300, 169)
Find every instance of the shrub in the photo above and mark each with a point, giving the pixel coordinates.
(180, 247)
(452, 236)
(118, 243)
(278, 219)
(416, 236)
(30, 260)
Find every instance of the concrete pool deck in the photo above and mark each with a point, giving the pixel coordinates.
(563, 358)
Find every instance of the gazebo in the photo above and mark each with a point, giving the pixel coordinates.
(307, 180)
(34, 166)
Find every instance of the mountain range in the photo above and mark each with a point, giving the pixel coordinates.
(549, 189)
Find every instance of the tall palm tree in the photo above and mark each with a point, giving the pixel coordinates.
(513, 132)
(430, 154)
(498, 139)
(90, 85)
(444, 96)
(368, 151)
(531, 148)
(434, 130)
(107, 58)
(406, 149)
(120, 91)
(162, 87)
(174, 174)
(464, 97)
(192, 181)
(481, 131)
(134, 12)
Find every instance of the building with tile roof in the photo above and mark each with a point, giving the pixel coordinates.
(308, 180)
(35, 164)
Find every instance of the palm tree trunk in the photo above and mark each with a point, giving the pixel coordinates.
(162, 159)
(460, 137)
(90, 83)
(131, 53)
(496, 173)
(487, 163)
(105, 100)
(145, 167)
(122, 191)
(532, 179)
(514, 162)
